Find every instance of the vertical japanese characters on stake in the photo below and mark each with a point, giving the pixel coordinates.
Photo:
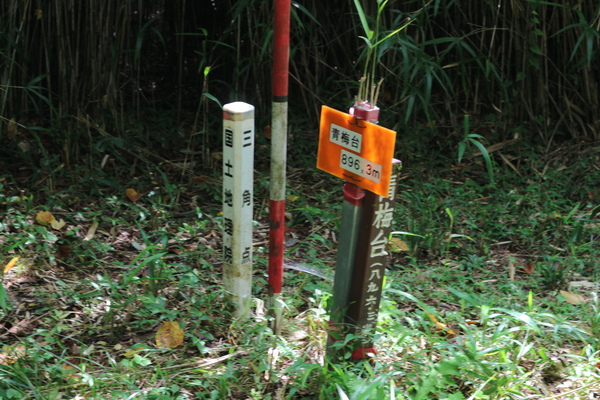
(370, 264)
(238, 177)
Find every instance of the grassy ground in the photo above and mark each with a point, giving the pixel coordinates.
(491, 290)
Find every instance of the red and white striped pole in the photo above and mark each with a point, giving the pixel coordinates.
(281, 58)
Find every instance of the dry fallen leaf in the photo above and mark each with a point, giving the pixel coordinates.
(71, 369)
(45, 217)
(440, 326)
(58, 225)
(11, 264)
(174, 250)
(138, 246)
(529, 268)
(10, 355)
(583, 284)
(22, 327)
(71, 365)
(572, 298)
(133, 195)
(397, 245)
(92, 231)
(169, 335)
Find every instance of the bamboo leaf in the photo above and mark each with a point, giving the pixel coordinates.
(406, 233)
(449, 212)
(363, 20)
(486, 157)
(461, 150)
(213, 98)
(127, 280)
(140, 39)
(367, 41)
(393, 33)
(341, 393)
(475, 136)
(306, 12)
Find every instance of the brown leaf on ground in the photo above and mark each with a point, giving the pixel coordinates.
(583, 284)
(169, 335)
(45, 217)
(133, 195)
(397, 245)
(92, 231)
(530, 268)
(440, 326)
(174, 250)
(572, 298)
(10, 355)
(22, 327)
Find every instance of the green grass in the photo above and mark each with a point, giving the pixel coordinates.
(473, 309)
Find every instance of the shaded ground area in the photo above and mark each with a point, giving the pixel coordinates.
(95, 290)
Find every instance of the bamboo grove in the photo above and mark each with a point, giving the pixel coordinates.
(528, 63)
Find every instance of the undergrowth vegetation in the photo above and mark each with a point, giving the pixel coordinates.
(491, 289)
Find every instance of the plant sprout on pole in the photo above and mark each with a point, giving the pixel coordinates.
(368, 91)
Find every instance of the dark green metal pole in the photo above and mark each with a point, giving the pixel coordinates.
(344, 265)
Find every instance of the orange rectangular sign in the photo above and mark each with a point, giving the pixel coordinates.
(356, 150)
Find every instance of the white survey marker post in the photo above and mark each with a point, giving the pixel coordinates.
(238, 177)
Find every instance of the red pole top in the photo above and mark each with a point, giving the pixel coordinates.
(281, 49)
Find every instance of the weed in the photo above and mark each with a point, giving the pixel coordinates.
(474, 139)
(554, 273)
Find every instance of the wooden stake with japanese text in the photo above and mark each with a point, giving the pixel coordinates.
(369, 267)
(238, 179)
